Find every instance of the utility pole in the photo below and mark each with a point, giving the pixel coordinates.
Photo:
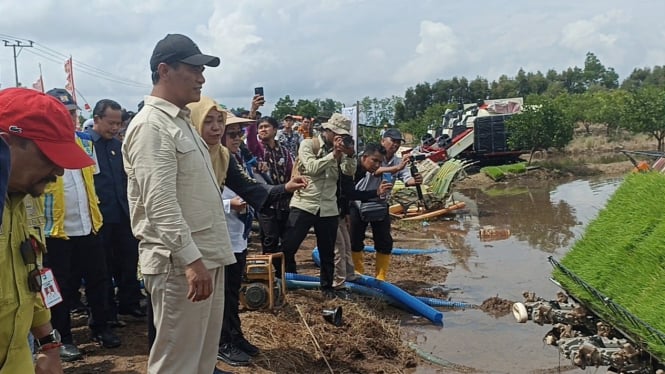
(20, 45)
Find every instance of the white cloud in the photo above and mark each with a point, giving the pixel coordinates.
(587, 34)
(339, 49)
(437, 50)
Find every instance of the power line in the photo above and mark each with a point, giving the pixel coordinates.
(20, 45)
(55, 56)
(92, 73)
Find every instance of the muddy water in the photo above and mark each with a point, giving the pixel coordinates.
(541, 222)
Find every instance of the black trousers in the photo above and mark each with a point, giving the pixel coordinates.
(325, 229)
(383, 240)
(122, 256)
(233, 274)
(272, 223)
(69, 260)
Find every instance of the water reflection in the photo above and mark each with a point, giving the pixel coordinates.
(528, 213)
(453, 235)
(547, 218)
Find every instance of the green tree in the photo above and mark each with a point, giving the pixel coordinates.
(595, 73)
(645, 113)
(417, 100)
(642, 77)
(307, 108)
(428, 120)
(540, 127)
(537, 83)
(503, 88)
(479, 88)
(573, 80)
(378, 112)
(284, 106)
(582, 108)
(328, 106)
(611, 106)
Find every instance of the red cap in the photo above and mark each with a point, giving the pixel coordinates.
(43, 119)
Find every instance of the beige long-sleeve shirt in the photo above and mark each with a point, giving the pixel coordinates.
(322, 170)
(175, 204)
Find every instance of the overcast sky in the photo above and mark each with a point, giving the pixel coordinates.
(339, 49)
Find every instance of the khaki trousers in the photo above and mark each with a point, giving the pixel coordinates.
(343, 261)
(187, 337)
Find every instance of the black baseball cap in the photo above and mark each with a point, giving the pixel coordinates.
(179, 48)
(64, 96)
(393, 134)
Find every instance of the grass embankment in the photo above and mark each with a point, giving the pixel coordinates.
(622, 255)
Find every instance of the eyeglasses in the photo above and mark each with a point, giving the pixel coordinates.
(233, 135)
(29, 249)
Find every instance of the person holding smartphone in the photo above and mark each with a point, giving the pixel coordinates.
(348, 262)
(383, 240)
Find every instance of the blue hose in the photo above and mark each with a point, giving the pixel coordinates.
(433, 301)
(396, 293)
(310, 285)
(405, 298)
(407, 251)
(310, 282)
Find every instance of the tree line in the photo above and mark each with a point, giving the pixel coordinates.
(588, 94)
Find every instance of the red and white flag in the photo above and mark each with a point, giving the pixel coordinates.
(39, 84)
(69, 86)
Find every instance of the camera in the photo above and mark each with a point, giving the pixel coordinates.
(348, 141)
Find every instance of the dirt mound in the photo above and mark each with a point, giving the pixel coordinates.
(496, 306)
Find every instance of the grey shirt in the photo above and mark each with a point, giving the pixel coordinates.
(372, 182)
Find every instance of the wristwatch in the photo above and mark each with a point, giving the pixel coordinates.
(52, 340)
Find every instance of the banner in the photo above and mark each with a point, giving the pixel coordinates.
(69, 86)
(39, 84)
(352, 114)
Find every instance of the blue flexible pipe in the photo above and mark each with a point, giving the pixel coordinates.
(396, 293)
(405, 298)
(407, 251)
(310, 282)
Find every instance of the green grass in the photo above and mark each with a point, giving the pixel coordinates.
(622, 255)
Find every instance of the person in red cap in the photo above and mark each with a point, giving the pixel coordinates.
(73, 222)
(38, 131)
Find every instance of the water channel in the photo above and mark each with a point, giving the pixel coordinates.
(543, 221)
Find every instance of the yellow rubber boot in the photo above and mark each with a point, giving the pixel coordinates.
(382, 262)
(358, 262)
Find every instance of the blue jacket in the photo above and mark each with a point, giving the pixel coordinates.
(111, 181)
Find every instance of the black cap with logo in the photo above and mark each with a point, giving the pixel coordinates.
(179, 48)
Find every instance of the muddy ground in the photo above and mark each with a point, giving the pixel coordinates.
(370, 339)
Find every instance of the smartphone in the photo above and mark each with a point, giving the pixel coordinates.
(258, 91)
(387, 177)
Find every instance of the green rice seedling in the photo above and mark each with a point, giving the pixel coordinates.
(622, 255)
(493, 172)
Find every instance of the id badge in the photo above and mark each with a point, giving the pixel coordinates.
(50, 290)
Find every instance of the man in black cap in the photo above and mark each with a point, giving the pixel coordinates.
(395, 168)
(177, 213)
